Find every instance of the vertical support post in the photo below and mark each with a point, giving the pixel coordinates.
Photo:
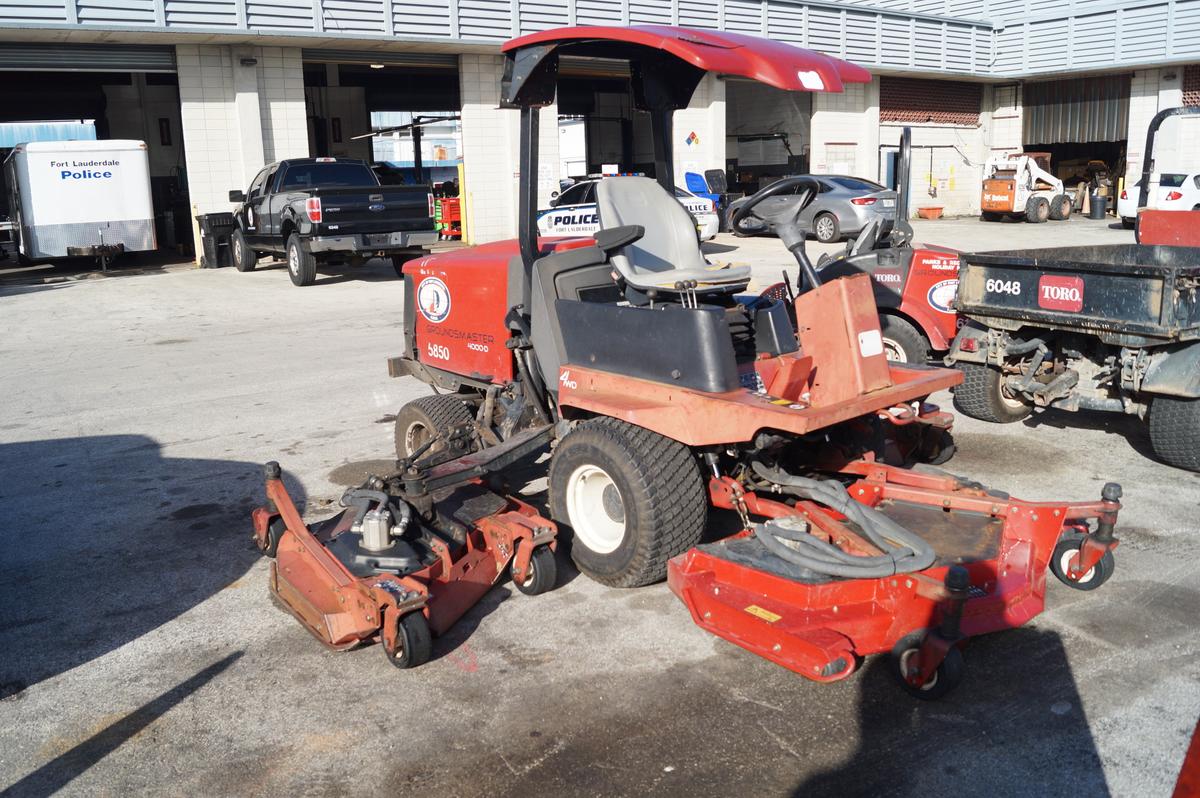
(527, 201)
(903, 173)
(418, 166)
(661, 119)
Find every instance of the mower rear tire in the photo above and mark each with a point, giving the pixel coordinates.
(1060, 207)
(423, 418)
(947, 676)
(1037, 210)
(902, 342)
(1060, 564)
(542, 575)
(633, 498)
(414, 642)
(301, 262)
(1175, 431)
(981, 395)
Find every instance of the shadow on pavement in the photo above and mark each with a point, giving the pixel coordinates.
(1015, 726)
(105, 540)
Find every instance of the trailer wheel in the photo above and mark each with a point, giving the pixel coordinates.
(1037, 210)
(423, 418)
(1060, 207)
(244, 258)
(947, 676)
(302, 264)
(1060, 564)
(981, 395)
(826, 228)
(1175, 431)
(902, 342)
(414, 642)
(633, 498)
(991, 216)
(542, 575)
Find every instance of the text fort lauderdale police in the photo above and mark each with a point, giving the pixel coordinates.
(79, 169)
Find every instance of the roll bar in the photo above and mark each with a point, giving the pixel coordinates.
(1151, 134)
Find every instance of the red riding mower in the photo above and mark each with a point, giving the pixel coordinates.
(665, 389)
(412, 552)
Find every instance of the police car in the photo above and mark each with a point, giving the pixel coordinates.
(574, 211)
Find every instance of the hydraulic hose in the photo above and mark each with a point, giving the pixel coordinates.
(1018, 347)
(904, 551)
(363, 498)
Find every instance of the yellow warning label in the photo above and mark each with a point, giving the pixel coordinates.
(766, 615)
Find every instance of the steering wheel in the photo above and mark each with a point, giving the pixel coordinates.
(783, 219)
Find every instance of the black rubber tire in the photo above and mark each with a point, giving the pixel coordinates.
(991, 216)
(1061, 558)
(274, 534)
(302, 264)
(1037, 210)
(980, 396)
(1060, 207)
(947, 676)
(414, 642)
(436, 414)
(244, 258)
(1175, 431)
(1128, 222)
(829, 238)
(906, 340)
(658, 483)
(399, 260)
(544, 575)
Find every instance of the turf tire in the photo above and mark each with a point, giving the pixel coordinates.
(980, 396)
(1175, 431)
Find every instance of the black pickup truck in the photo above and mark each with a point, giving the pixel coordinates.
(329, 210)
(1112, 328)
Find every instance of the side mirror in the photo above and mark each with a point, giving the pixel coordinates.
(237, 196)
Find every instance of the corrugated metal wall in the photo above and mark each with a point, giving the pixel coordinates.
(1076, 111)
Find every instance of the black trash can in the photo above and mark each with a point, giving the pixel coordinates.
(1099, 207)
(215, 230)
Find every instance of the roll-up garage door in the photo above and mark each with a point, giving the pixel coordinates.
(385, 57)
(1076, 111)
(32, 57)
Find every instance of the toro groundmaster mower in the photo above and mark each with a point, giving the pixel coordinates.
(663, 389)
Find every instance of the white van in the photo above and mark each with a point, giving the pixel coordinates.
(90, 198)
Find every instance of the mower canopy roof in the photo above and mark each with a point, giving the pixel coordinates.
(694, 52)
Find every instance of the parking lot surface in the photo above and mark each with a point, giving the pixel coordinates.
(141, 653)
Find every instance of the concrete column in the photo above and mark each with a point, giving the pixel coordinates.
(491, 160)
(699, 130)
(1143, 105)
(1178, 141)
(237, 116)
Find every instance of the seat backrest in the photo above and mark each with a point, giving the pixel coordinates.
(670, 242)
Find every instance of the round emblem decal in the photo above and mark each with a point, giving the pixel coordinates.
(942, 295)
(433, 299)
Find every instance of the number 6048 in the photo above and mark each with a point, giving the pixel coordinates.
(994, 286)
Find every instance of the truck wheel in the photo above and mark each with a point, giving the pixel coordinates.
(423, 418)
(244, 258)
(991, 216)
(633, 498)
(1175, 431)
(302, 264)
(1128, 222)
(1037, 210)
(982, 395)
(1060, 207)
(902, 342)
(825, 228)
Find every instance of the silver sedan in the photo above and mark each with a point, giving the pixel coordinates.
(842, 208)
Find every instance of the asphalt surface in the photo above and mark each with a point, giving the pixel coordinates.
(140, 653)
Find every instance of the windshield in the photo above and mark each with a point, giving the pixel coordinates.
(1171, 181)
(327, 175)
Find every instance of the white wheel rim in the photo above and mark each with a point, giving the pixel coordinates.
(293, 261)
(904, 659)
(893, 351)
(237, 250)
(595, 509)
(825, 227)
(1064, 566)
(411, 434)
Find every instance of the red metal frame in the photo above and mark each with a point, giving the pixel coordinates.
(343, 610)
(809, 627)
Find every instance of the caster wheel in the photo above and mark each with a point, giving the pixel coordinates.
(274, 535)
(542, 574)
(944, 679)
(414, 642)
(1060, 564)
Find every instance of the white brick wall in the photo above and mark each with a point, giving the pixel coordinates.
(704, 116)
(1177, 147)
(842, 124)
(490, 141)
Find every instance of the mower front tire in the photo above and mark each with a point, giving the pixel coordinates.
(633, 498)
(902, 342)
(414, 642)
(1060, 564)
(981, 395)
(947, 676)
(542, 575)
(422, 419)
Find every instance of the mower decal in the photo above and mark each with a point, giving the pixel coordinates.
(888, 277)
(941, 296)
(766, 615)
(433, 300)
(565, 381)
(1060, 293)
(870, 343)
(941, 263)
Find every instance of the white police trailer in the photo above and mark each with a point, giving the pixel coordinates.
(80, 198)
